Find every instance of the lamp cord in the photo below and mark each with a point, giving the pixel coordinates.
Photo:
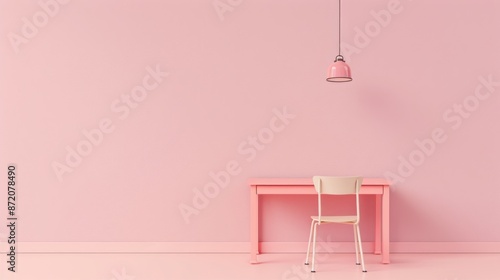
(339, 25)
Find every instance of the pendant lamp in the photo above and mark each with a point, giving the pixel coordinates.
(339, 71)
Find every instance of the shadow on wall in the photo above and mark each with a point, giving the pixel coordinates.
(416, 215)
(386, 108)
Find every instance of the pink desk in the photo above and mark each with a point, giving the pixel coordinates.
(372, 186)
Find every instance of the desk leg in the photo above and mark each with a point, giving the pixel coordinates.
(378, 224)
(385, 225)
(254, 224)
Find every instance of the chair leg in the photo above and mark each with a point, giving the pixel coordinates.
(356, 244)
(309, 244)
(314, 248)
(360, 249)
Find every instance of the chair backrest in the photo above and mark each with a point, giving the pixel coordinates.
(337, 186)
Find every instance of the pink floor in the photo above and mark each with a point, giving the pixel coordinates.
(235, 266)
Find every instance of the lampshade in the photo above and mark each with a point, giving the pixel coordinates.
(339, 71)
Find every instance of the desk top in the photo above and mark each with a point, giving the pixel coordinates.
(307, 181)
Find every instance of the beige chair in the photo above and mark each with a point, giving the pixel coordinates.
(336, 186)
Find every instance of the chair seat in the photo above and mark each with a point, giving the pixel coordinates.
(336, 219)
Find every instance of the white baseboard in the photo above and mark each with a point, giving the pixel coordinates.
(244, 247)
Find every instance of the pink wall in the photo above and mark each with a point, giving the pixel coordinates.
(230, 75)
